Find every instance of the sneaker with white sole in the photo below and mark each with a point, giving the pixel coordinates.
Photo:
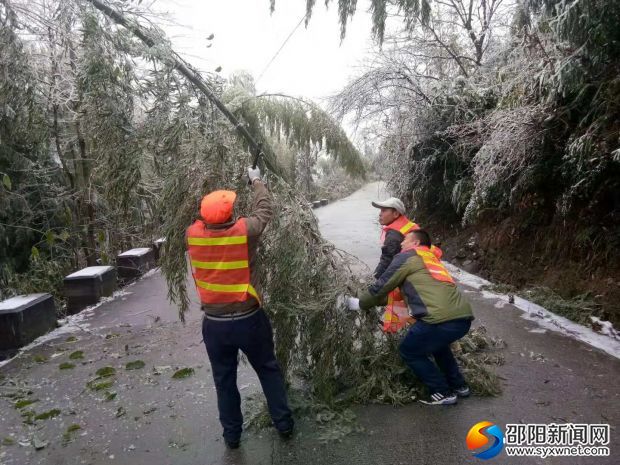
(463, 391)
(438, 398)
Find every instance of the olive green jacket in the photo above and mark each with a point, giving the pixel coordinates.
(428, 299)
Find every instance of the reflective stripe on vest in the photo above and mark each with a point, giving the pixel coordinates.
(220, 263)
(401, 224)
(232, 240)
(228, 288)
(433, 265)
(396, 315)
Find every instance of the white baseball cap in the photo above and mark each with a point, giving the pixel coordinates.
(392, 202)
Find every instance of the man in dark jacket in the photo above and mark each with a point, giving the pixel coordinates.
(395, 225)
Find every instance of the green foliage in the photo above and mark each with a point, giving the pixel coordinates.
(105, 372)
(96, 384)
(329, 424)
(135, 365)
(343, 357)
(67, 436)
(304, 125)
(24, 403)
(301, 124)
(102, 386)
(486, 147)
(578, 308)
(74, 427)
(77, 355)
(47, 415)
(28, 416)
(72, 167)
(411, 12)
(334, 183)
(39, 358)
(183, 373)
(134, 148)
(44, 274)
(106, 82)
(29, 178)
(87, 161)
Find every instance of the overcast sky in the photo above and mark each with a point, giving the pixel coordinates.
(313, 63)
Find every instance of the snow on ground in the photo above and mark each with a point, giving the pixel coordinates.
(607, 340)
(78, 322)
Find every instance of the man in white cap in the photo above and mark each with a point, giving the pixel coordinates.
(395, 225)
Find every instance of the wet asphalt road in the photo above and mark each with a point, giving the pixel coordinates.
(547, 377)
(154, 419)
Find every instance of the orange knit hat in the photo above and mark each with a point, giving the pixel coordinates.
(217, 207)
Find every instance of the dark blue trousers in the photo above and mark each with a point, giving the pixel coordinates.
(254, 336)
(424, 340)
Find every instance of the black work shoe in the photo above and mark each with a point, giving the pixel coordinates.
(287, 434)
(463, 391)
(438, 398)
(232, 444)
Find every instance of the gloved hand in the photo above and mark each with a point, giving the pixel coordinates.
(353, 303)
(253, 174)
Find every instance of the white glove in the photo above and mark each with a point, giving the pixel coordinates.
(353, 303)
(253, 174)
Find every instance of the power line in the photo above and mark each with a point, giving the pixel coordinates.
(280, 49)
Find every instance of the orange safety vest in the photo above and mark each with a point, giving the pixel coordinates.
(401, 224)
(396, 315)
(220, 263)
(430, 256)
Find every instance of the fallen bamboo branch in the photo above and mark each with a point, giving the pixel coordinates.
(195, 78)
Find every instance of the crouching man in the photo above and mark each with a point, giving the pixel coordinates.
(442, 315)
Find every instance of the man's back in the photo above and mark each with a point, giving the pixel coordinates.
(261, 214)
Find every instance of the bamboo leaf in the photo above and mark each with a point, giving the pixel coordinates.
(47, 415)
(6, 180)
(135, 365)
(183, 373)
(77, 355)
(49, 237)
(105, 372)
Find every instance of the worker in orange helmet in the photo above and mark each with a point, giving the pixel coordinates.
(222, 251)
